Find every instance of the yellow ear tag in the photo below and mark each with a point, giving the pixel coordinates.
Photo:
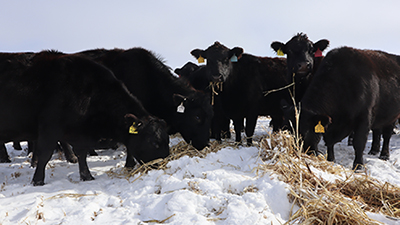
(132, 129)
(319, 129)
(280, 52)
(200, 59)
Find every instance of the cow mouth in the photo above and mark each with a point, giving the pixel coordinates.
(302, 73)
(217, 79)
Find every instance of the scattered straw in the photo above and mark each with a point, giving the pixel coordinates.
(341, 201)
(159, 221)
(69, 195)
(179, 150)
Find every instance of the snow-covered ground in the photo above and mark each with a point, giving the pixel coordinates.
(221, 188)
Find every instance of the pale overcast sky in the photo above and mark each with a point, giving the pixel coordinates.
(173, 28)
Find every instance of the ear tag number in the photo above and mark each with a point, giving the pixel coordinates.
(234, 58)
(200, 59)
(133, 129)
(181, 108)
(280, 52)
(319, 129)
(318, 53)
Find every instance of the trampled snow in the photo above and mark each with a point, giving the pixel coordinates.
(221, 188)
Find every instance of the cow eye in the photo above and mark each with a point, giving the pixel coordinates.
(197, 118)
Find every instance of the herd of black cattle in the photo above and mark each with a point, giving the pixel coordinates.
(96, 98)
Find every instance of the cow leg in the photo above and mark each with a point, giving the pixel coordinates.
(387, 134)
(43, 152)
(376, 139)
(251, 122)
(331, 154)
(215, 129)
(350, 139)
(225, 127)
(130, 161)
(32, 146)
(4, 158)
(360, 139)
(238, 124)
(68, 152)
(83, 167)
(17, 145)
(277, 122)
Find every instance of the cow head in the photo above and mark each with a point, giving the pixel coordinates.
(194, 114)
(186, 70)
(301, 53)
(311, 126)
(148, 138)
(220, 60)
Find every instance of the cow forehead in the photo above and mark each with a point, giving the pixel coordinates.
(217, 49)
(299, 45)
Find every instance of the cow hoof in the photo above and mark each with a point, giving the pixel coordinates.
(373, 152)
(384, 157)
(331, 159)
(358, 168)
(226, 135)
(37, 183)
(5, 160)
(73, 159)
(238, 143)
(34, 164)
(87, 178)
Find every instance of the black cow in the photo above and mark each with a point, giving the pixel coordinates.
(186, 70)
(195, 75)
(12, 64)
(185, 110)
(15, 64)
(71, 99)
(197, 78)
(303, 59)
(353, 90)
(246, 79)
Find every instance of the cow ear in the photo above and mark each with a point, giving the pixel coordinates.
(197, 53)
(237, 51)
(320, 123)
(321, 45)
(178, 99)
(278, 47)
(132, 123)
(178, 71)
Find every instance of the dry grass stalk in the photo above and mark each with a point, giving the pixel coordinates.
(343, 201)
(159, 221)
(69, 195)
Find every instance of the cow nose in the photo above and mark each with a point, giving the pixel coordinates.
(217, 77)
(303, 67)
